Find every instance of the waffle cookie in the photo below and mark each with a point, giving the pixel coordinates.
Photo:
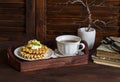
(34, 50)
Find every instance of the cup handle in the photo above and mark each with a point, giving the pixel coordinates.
(83, 46)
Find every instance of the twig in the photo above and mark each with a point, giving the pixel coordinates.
(87, 6)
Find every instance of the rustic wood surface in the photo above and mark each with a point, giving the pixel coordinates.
(84, 73)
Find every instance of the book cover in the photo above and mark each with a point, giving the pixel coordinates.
(106, 55)
(106, 61)
(105, 50)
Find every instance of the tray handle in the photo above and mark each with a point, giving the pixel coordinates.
(86, 50)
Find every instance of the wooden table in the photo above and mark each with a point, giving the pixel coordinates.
(84, 73)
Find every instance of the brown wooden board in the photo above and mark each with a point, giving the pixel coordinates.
(24, 66)
(17, 22)
(54, 15)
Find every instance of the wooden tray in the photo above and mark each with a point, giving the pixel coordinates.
(24, 66)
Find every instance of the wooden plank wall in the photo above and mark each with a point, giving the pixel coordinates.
(61, 19)
(12, 18)
(53, 18)
(17, 21)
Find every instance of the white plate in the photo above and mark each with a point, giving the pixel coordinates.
(17, 54)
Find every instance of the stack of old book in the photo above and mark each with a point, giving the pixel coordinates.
(105, 55)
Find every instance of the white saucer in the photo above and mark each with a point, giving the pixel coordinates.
(58, 54)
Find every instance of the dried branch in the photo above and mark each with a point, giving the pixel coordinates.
(87, 5)
(99, 21)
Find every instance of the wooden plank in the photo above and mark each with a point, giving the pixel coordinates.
(12, 17)
(11, 29)
(12, 23)
(61, 16)
(12, 11)
(30, 17)
(11, 1)
(41, 19)
(17, 22)
(11, 5)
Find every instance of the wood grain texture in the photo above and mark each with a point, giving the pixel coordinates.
(61, 19)
(46, 19)
(83, 73)
(41, 19)
(17, 22)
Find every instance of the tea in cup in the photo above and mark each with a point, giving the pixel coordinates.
(69, 45)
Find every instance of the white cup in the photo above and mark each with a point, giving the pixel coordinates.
(68, 45)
